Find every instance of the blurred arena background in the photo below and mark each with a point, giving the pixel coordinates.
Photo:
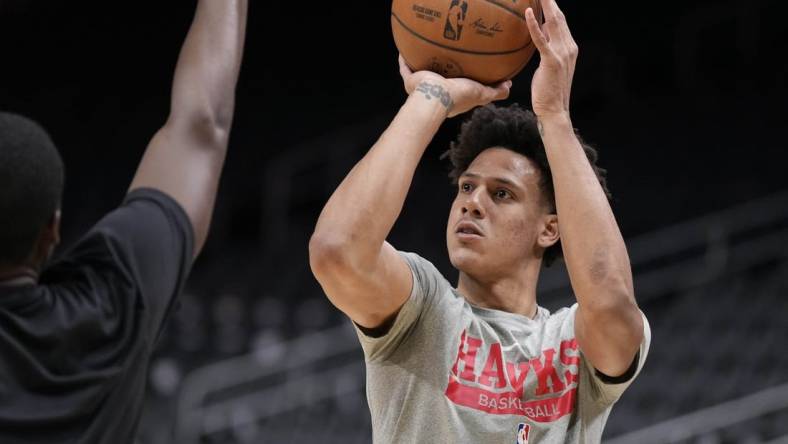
(685, 102)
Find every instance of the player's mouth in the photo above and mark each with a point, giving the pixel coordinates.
(468, 231)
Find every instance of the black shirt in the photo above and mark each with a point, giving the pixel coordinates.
(75, 349)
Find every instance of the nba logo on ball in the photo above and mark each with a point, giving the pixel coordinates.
(483, 40)
(523, 430)
(455, 18)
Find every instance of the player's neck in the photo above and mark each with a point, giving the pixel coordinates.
(512, 294)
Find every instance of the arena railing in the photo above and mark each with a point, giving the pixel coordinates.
(710, 419)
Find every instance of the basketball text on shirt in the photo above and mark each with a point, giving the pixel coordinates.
(499, 387)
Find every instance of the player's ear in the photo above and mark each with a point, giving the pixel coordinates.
(50, 235)
(548, 231)
(48, 239)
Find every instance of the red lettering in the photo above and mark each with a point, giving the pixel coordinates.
(508, 403)
(545, 371)
(493, 368)
(568, 360)
(467, 356)
(517, 379)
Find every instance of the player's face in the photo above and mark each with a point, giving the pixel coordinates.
(497, 216)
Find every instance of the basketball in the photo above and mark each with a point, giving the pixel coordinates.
(484, 40)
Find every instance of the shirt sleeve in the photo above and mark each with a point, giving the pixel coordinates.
(428, 284)
(608, 390)
(134, 261)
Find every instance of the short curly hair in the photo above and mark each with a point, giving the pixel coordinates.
(31, 185)
(513, 128)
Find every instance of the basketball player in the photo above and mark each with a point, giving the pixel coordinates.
(481, 361)
(76, 336)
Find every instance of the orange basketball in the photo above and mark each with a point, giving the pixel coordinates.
(484, 40)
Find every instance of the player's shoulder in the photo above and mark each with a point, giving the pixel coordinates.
(419, 264)
(425, 274)
(561, 319)
(149, 213)
(158, 198)
(562, 313)
(143, 226)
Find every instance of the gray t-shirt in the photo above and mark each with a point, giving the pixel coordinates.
(451, 372)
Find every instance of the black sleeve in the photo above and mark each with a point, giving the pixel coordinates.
(135, 260)
(629, 374)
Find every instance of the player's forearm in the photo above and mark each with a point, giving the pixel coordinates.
(360, 214)
(209, 63)
(593, 247)
(608, 323)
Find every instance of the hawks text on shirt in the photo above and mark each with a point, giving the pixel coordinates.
(542, 388)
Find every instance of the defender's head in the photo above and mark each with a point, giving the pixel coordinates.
(31, 187)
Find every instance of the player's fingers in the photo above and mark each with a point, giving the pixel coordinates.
(552, 12)
(556, 24)
(499, 91)
(404, 69)
(406, 73)
(537, 36)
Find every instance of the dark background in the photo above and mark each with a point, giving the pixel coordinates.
(685, 103)
(684, 100)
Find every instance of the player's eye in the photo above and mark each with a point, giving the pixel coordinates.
(502, 194)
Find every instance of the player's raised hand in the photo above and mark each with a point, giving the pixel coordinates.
(552, 81)
(458, 95)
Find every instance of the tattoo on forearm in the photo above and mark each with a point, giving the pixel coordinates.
(431, 90)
